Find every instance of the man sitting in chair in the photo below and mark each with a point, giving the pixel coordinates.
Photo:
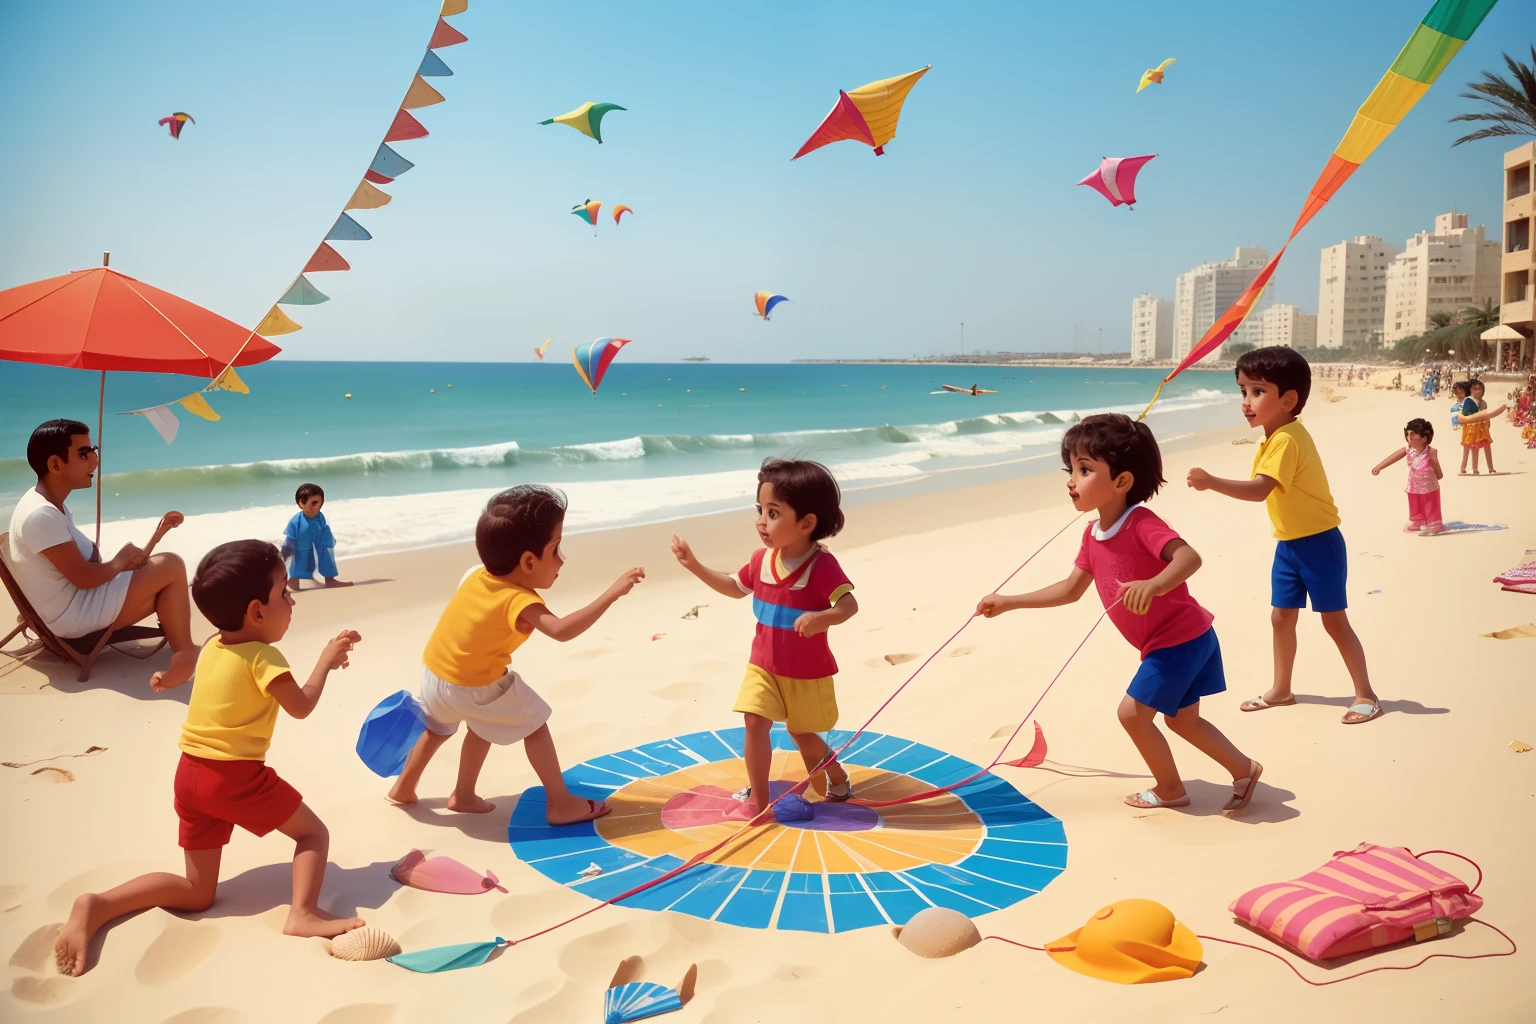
(61, 572)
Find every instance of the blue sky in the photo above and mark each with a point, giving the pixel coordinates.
(970, 216)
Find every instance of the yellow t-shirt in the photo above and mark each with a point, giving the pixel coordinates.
(474, 640)
(1301, 504)
(231, 715)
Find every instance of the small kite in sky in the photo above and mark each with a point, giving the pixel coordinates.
(1154, 76)
(1115, 179)
(868, 114)
(587, 211)
(587, 119)
(765, 301)
(175, 121)
(619, 211)
(592, 359)
(542, 349)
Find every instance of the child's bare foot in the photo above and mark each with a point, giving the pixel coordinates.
(402, 794)
(183, 664)
(569, 810)
(470, 804)
(316, 922)
(70, 948)
(332, 581)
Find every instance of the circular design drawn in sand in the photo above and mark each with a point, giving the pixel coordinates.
(980, 848)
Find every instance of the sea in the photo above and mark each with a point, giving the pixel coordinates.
(408, 453)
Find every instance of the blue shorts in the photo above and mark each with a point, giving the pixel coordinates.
(1173, 678)
(1317, 565)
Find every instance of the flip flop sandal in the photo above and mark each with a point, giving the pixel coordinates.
(1367, 712)
(837, 795)
(742, 795)
(1243, 795)
(1260, 704)
(1150, 800)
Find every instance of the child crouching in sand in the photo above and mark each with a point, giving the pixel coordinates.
(223, 779)
(467, 674)
(1139, 565)
(798, 593)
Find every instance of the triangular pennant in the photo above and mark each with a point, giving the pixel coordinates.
(387, 166)
(347, 230)
(1036, 755)
(432, 66)
(446, 35)
(164, 421)
(276, 323)
(447, 958)
(229, 380)
(325, 258)
(197, 405)
(452, 7)
(366, 197)
(302, 293)
(420, 94)
(405, 127)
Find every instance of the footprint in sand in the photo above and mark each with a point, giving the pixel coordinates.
(960, 652)
(1003, 730)
(205, 1015)
(361, 1013)
(892, 659)
(36, 981)
(180, 949)
(45, 991)
(35, 954)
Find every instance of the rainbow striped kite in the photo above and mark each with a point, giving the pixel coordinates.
(1448, 25)
(591, 360)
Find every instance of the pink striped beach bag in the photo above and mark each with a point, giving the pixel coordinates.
(1362, 899)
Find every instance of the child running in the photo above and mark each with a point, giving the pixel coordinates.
(223, 779)
(1423, 478)
(307, 540)
(1310, 557)
(1139, 565)
(467, 674)
(798, 593)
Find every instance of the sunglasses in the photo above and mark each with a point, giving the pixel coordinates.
(85, 451)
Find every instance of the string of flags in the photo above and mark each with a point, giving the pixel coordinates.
(385, 167)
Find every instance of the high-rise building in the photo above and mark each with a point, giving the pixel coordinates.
(1352, 292)
(1204, 293)
(1151, 329)
(1440, 271)
(1518, 260)
(1284, 324)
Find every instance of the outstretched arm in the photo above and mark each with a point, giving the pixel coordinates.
(721, 583)
(569, 627)
(1384, 463)
(1256, 489)
(1485, 415)
(1064, 592)
(300, 702)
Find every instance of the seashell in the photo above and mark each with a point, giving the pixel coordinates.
(364, 944)
(937, 932)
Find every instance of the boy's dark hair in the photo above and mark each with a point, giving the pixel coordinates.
(1283, 367)
(233, 575)
(307, 491)
(1475, 383)
(1125, 445)
(50, 439)
(1464, 385)
(1422, 427)
(809, 488)
(519, 519)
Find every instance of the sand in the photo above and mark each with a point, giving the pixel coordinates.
(1435, 772)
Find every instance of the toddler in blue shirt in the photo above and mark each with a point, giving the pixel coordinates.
(307, 540)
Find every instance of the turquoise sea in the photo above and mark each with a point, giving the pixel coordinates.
(407, 459)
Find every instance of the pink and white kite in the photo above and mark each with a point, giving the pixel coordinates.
(1115, 179)
(442, 874)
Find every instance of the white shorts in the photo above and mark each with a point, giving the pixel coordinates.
(90, 610)
(504, 712)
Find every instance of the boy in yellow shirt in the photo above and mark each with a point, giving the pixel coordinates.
(223, 779)
(466, 674)
(1310, 558)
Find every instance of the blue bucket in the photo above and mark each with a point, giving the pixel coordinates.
(389, 732)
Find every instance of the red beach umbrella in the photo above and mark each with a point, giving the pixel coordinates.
(99, 319)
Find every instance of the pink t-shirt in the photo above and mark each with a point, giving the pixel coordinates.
(1132, 550)
(780, 595)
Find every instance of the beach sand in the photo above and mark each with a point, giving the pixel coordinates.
(1435, 772)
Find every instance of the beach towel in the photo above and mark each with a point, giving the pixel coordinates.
(1362, 899)
(1457, 526)
(1522, 578)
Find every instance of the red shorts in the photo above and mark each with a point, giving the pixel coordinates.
(212, 797)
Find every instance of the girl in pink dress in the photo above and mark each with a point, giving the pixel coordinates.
(1423, 478)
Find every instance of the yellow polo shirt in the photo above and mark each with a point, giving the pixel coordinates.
(474, 640)
(230, 715)
(1300, 505)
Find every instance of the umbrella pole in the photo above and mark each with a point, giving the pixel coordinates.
(101, 404)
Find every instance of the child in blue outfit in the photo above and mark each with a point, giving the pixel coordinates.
(307, 540)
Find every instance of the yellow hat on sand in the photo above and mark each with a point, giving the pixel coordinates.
(1128, 943)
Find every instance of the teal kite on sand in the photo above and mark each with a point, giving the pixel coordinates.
(587, 119)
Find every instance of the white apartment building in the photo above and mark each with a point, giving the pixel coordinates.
(1204, 293)
(1285, 324)
(1440, 271)
(1151, 329)
(1352, 292)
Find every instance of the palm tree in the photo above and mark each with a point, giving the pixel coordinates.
(1473, 321)
(1513, 102)
(1439, 319)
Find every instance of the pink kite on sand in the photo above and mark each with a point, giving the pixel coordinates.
(1036, 755)
(1115, 179)
(442, 874)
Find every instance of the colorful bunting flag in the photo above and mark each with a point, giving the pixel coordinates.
(405, 127)
(276, 323)
(325, 258)
(420, 94)
(452, 7)
(446, 35)
(197, 405)
(229, 380)
(347, 230)
(432, 66)
(387, 166)
(164, 421)
(302, 293)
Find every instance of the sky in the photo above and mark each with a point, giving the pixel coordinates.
(971, 216)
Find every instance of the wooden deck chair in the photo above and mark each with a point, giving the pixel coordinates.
(82, 650)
